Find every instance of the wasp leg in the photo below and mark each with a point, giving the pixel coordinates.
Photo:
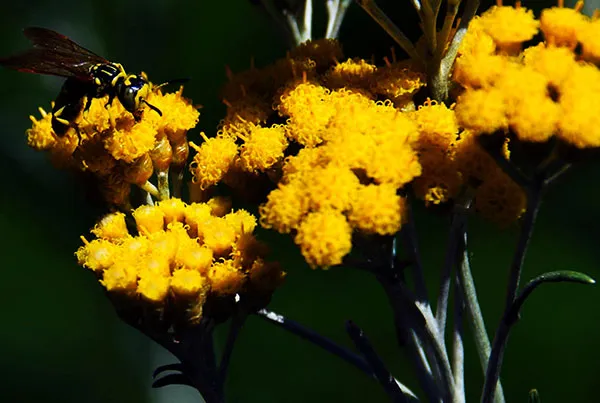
(61, 125)
(111, 98)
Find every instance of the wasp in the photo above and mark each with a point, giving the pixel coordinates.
(88, 76)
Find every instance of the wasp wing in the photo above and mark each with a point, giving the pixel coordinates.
(53, 54)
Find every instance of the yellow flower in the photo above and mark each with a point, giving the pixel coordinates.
(41, 136)
(135, 140)
(478, 70)
(188, 283)
(112, 227)
(437, 125)
(219, 205)
(149, 219)
(173, 209)
(509, 27)
(555, 63)
(377, 209)
(482, 111)
(120, 277)
(476, 41)
(153, 288)
(178, 114)
(218, 235)
(398, 81)
(308, 109)
(212, 160)
(535, 119)
(562, 26)
(579, 123)
(284, 208)
(241, 221)
(589, 37)
(262, 148)
(96, 255)
(353, 73)
(324, 238)
(333, 186)
(225, 278)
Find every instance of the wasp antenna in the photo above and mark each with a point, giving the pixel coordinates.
(154, 108)
(174, 81)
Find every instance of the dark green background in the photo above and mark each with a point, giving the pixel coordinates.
(60, 340)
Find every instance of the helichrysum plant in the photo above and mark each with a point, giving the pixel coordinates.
(484, 114)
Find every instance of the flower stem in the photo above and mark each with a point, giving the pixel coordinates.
(458, 352)
(469, 294)
(501, 338)
(163, 185)
(382, 374)
(379, 16)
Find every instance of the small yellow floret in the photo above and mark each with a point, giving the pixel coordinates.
(120, 277)
(324, 238)
(41, 136)
(266, 276)
(377, 209)
(509, 26)
(219, 205)
(437, 125)
(284, 208)
(173, 209)
(188, 283)
(263, 147)
(195, 257)
(212, 160)
(555, 63)
(97, 255)
(354, 73)
(562, 26)
(589, 37)
(153, 288)
(112, 227)
(218, 235)
(225, 278)
(242, 221)
(149, 219)
(482, 111)
(131, 142)
(308, 107)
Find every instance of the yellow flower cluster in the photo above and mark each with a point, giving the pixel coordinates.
(547, 90)
(452, 160)
(182, 256)
(109, 143)
(312, 125)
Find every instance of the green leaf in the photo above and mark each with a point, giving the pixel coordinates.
(534, 396)
(560, 276)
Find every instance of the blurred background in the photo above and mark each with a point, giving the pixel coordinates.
(60, 340)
